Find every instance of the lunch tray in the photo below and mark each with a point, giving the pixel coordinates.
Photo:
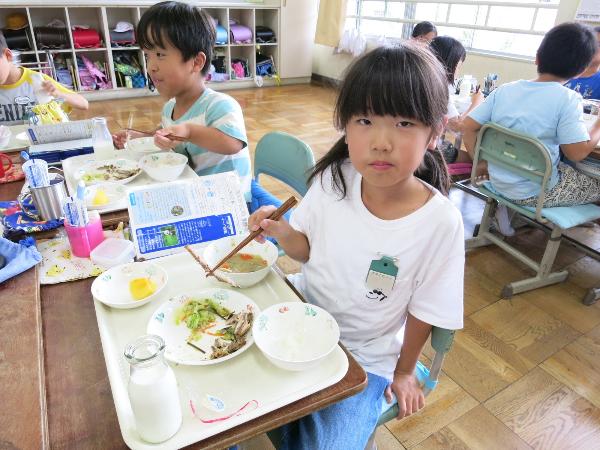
(72, 165)
(223, 395)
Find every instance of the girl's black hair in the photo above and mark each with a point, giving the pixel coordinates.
(188, 28)
(449, 51)
(423, 28)
(404, 80)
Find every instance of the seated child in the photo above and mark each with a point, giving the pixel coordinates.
(588, 82)
(365, 207)
(178, 41)
(452, 54)
(424, 32)
(547, 110)
(17, 91)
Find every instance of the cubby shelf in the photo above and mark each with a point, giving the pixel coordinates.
(104, 16)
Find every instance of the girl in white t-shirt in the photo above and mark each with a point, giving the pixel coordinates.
(382, 247)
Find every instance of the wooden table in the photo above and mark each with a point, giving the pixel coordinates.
(54, 388)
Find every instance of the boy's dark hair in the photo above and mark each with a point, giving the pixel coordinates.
(423, 28)
(185, 27)
(3, 44)
(449, 51)
(405, 80)
(566, 50)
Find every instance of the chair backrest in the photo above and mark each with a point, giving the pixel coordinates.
(286, 158)
(516, 152)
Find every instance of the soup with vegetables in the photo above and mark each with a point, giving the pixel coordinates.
(244, 263)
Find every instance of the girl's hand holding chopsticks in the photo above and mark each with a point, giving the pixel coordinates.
(278, 229)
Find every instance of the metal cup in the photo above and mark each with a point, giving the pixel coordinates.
(48, 200)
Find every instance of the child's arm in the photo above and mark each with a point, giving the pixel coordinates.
(470, 130)
(70, 98)
(580, 150)
(405, 385)
(292, 241)
(209, 138)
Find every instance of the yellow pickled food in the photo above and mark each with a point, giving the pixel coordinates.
(100, 198)
(141, 288)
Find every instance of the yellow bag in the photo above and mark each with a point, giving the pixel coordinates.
(49, 113)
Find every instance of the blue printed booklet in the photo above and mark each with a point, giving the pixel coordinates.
(166, 217)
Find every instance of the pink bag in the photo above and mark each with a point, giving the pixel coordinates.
(240, 34)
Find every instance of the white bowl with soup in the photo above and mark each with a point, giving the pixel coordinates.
(166, 166)
(249, 266)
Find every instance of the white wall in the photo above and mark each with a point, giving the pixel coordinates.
(327, 64)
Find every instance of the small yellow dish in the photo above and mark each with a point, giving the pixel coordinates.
(100, 198)
(141, 288)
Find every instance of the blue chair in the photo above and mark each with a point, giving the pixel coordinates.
(525, 156)
(284, 157)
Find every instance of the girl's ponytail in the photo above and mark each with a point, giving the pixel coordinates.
(433, 170)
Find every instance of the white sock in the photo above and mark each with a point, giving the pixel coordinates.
(504, 225)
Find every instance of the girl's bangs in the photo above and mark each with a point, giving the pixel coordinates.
(389, 84)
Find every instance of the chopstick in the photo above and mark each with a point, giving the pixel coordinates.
(173, 137)
(290, 202)
(129, 123)
(204, 266)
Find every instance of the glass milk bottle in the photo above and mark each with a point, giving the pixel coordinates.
(102, 139)
(152, 390)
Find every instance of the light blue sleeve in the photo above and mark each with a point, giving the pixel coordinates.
(226, 115)
(483, 113)
(571, 127)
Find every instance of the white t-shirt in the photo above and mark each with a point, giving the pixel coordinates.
(345, 238)
(452, 111)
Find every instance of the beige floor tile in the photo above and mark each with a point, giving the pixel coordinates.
(475, 430)
(385, 439)
(535, 334)
(578, 366)
(546, 414)
(481, 363)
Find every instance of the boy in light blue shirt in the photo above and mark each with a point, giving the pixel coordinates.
(178, 40)
(547, 110)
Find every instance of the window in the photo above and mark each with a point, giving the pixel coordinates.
(504, 27)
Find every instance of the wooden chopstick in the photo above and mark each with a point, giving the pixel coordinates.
(290, 202)
(204, 266)
(173, 137)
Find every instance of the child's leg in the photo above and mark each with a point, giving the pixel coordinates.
(346, 425)
(573, 188)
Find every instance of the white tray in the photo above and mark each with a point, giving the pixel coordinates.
(247, 377)
(71, 165)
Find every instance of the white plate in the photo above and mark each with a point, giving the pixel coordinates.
(115, 193)
(22, 137)
(112, 287)
(177, 350)
(96, 168)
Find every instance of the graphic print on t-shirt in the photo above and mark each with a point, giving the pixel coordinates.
(15, 110)
(381, 278)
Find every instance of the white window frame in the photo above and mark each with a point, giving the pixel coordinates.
(531, 5)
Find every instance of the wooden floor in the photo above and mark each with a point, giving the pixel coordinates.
(523, 373)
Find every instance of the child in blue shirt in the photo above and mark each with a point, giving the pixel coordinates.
(588, 82)
(547, 110)
(178, 41)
